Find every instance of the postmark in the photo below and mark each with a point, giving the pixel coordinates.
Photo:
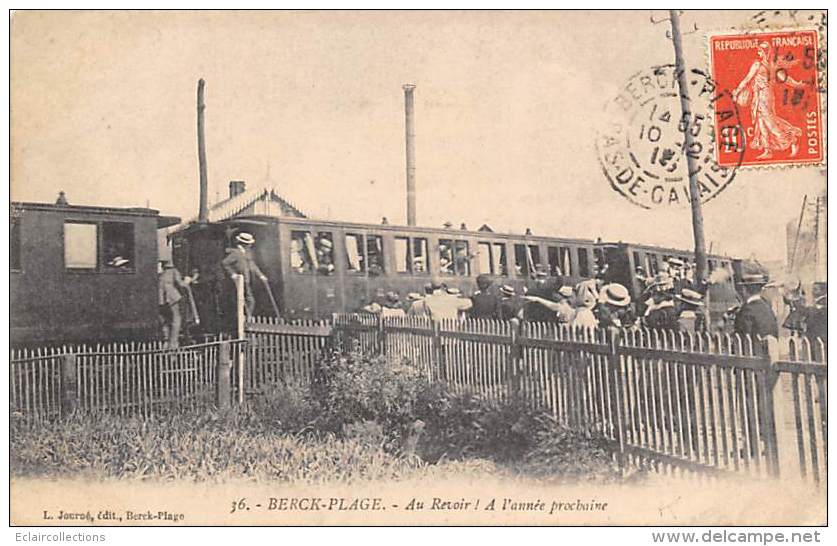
(641, 143)
(772, 78)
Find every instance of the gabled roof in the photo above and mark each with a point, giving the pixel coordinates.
(264, 200)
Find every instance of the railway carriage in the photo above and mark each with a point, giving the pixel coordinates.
(320, 267)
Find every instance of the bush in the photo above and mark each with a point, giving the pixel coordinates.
(358, 389)
(561, 454)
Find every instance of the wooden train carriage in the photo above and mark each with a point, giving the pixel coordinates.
(83, 274)
(319, 267)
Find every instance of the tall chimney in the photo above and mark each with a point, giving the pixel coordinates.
(203, 213)
(237, 187)
(411, 154)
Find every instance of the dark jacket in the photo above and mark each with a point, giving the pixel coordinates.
(756, 318)
(485, 306)
(240, 261)
(662, 318)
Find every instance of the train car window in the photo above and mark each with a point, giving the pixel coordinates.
(583, 262)
(711, 264)
(526, 259)
(420, 257)
(324, 257)
(446, 256)
(462, 258)
(598, 259)
(498, 259)
(638, 261)
(653, 264)
(553, 261)
(484, 258)
(81, 245)
(566, 261)
(14, 244)
(118, 246)
(375, 254)
(354, 253)
(402, 255)
(302, 252)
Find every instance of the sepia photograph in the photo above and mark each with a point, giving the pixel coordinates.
(417, 268)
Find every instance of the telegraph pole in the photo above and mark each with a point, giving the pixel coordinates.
(203, 213)
(694, 193)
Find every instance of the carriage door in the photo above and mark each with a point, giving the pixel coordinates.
(619, 266)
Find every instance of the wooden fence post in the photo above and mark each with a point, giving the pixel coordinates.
(382, 335)
(616, 395)
(69, 385)
(514, 361)
(240, 318)
(780, 433)
(438, 357)
(223, 371)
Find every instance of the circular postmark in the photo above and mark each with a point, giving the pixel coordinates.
(642, 144)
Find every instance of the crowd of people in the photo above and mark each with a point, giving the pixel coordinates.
(670, 300)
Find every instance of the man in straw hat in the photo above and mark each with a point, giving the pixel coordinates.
(240, 261)
(613, 310)
(561, 304)
(690, 319)
(755, 317)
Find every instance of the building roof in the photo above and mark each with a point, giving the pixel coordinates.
(262, 201)
(162, 221)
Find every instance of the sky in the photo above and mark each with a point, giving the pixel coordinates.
(506, 105)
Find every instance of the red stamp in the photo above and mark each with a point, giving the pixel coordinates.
(772, 80)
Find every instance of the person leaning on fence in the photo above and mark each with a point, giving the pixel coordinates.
(755, 317)
(392, 306)
(613, 310)
(544, 289)
(240, 261)
(484, 300)
(560, 304)
(509, 305)
(690, 317)
(441, 305)
(169, 285)
(660, 310)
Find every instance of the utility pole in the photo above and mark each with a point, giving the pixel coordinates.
(694, 193)
(410, 133)
(203, 214)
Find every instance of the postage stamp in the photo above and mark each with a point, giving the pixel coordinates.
(772, 79)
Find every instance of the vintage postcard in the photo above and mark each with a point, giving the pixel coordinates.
(418, 268)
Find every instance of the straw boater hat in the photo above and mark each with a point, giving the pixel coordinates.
(413, 296)
(245, 238)
(507, 290)
(754, 279)
(663, 281)
(676, 262)
(690, 296)
(118, 261)
(615, 294)
(326, 243)
(454, 291)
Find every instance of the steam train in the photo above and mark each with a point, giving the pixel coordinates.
(319, 267)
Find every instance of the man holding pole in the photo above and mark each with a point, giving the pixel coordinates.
(240, 261)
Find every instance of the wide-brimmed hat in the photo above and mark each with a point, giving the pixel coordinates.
(663, 281)
(677, 262)
(454, 291)
(507, 290)
(245, 238)
(413, 296)
(118, 261)
(615, 294)
(690, 296)
(326, 243)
